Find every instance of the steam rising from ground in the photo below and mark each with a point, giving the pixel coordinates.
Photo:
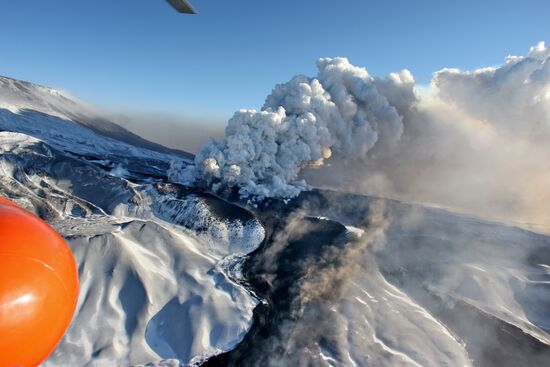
(319, 292)
(475, 141)
(309, 268)
(326, 279)
(342, 113)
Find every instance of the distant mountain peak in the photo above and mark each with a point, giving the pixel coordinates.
(17, 95)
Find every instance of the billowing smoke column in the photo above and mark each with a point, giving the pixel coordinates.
(473, 140)
(343, 112)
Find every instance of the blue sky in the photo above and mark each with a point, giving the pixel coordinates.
(141, 54)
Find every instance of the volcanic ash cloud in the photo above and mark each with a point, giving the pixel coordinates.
(343, 112)
(476, 141)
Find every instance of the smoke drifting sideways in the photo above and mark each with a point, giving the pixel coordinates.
(475, 141)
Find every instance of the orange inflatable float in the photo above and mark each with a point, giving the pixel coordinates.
(38, 287)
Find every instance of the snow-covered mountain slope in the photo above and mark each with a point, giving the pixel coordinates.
(158, 267)
(79, 141)
(344, 280)
(357, 281)
(18, 96)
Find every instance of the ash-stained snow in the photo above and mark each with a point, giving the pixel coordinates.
(350, 280)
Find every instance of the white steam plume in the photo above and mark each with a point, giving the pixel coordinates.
(475, 141)
(343, 112)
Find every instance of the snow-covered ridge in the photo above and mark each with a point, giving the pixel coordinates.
(27, 99)
(153, 290)
(241, 236)
(17, 95)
